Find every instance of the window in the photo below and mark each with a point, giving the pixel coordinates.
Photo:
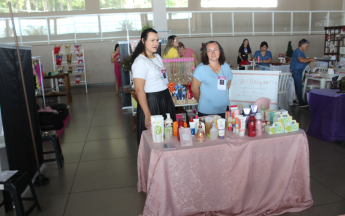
(239, 3)
(176, 3)
(3, 32)
(22, 6)
(125, 4)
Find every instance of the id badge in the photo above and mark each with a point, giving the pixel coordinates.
(165, 76)
(221, 83)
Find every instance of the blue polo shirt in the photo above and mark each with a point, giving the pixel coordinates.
(268, 55)
(295, 64)
(212, 100)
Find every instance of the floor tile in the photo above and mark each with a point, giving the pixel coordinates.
(108, 132)
(80, 123)
(109, 120)
(105, 174)
(51, 205)
(74, 135)
(333, 209)
(121, 201)
(107, 149)
(60, 179)
(322, 195)
(70, 151)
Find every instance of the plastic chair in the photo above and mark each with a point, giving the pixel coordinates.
(282, 86)
(265, 102)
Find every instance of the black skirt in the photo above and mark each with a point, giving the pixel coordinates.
(160, 103)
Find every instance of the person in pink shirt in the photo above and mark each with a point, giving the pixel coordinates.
(186, 52)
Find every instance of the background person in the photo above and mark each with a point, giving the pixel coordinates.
(297, 65)
(244, 51)
(213, 95)
(186, 52)
(265, 57)
(170, 50)
(151, 86)
(115, 56)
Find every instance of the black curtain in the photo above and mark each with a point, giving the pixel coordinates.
(19, 147)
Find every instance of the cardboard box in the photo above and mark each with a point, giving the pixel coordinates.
(276, 128)
(283, 118)
(292, 126)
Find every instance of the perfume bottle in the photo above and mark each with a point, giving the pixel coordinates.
(200, 134)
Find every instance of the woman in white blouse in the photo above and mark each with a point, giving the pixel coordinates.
(151, 82)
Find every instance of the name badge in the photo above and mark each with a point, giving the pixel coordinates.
(221, 83)
(165, 76)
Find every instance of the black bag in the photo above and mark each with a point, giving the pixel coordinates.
(62, 109)
(50, 121)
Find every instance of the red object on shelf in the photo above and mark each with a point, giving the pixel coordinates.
(180, 125)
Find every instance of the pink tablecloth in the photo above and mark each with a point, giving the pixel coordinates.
(266, 175)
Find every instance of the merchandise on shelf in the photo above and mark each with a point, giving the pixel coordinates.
(56, 49)
(70, 70)
(61, 81)
(180, 94)
(180, 70)
(80, 69)
(77, 79)
(58, 60)
(77, 48)
(60, 69)
(67, 48)
(283, 118)
(69, 59)
(80, 58)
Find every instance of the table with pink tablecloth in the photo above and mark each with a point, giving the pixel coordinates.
(266, 175)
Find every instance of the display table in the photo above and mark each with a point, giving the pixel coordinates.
(64, 76)
(283, 68)
(234, 176)
(327, 114)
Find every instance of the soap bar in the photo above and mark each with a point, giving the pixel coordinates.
(292, 126)
(276, 128)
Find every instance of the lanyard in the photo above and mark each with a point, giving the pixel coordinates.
(150, 61)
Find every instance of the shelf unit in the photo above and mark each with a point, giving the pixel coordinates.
(74, 72)
(334, 44)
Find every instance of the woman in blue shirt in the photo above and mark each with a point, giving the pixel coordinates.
(211, 81)
(297, 65)
(265, 57)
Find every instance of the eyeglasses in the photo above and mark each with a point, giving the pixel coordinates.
(214, 50)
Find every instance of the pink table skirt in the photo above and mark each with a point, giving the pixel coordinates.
(267, 175)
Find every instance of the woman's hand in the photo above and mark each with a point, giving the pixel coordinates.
(148, 122)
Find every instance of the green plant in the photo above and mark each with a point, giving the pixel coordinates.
(126, 63)
(289, 51)
(146, 27)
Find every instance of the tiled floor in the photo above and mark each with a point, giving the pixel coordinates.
(100, 174)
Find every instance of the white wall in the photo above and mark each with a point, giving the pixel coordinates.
(101, 70)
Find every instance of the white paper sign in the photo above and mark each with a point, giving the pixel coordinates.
(249, 85)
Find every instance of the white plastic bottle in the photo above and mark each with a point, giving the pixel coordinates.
(168, 121)
(213, 132)
(258, 124)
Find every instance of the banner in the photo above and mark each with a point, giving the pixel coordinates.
(249, 85)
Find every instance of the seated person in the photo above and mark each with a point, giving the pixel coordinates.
(170, 50)
(186, 52)
(265, 57)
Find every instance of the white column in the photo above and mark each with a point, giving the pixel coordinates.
(160, 18)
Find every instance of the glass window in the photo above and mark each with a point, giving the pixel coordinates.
(176, 3)
(239, 3)
(22, 6)
(3, 31)
(125, 4)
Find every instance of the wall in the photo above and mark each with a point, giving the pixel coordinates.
(101, 70)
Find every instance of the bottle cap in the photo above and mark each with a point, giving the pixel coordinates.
(191, 119)
(196, 117)
(258, 116)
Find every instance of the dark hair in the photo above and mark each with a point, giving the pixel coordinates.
(141, 46)
(180, 44)
(204, 57)
(263, 43)
(303, 41)
(116, 46)
(242, 46)
(170, 44)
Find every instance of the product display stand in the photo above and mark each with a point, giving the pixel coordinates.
(73, 64)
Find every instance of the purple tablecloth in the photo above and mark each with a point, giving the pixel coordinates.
(327, 114)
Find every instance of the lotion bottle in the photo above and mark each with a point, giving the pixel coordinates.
(168, 122)
(258, 124)
(213, 132)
